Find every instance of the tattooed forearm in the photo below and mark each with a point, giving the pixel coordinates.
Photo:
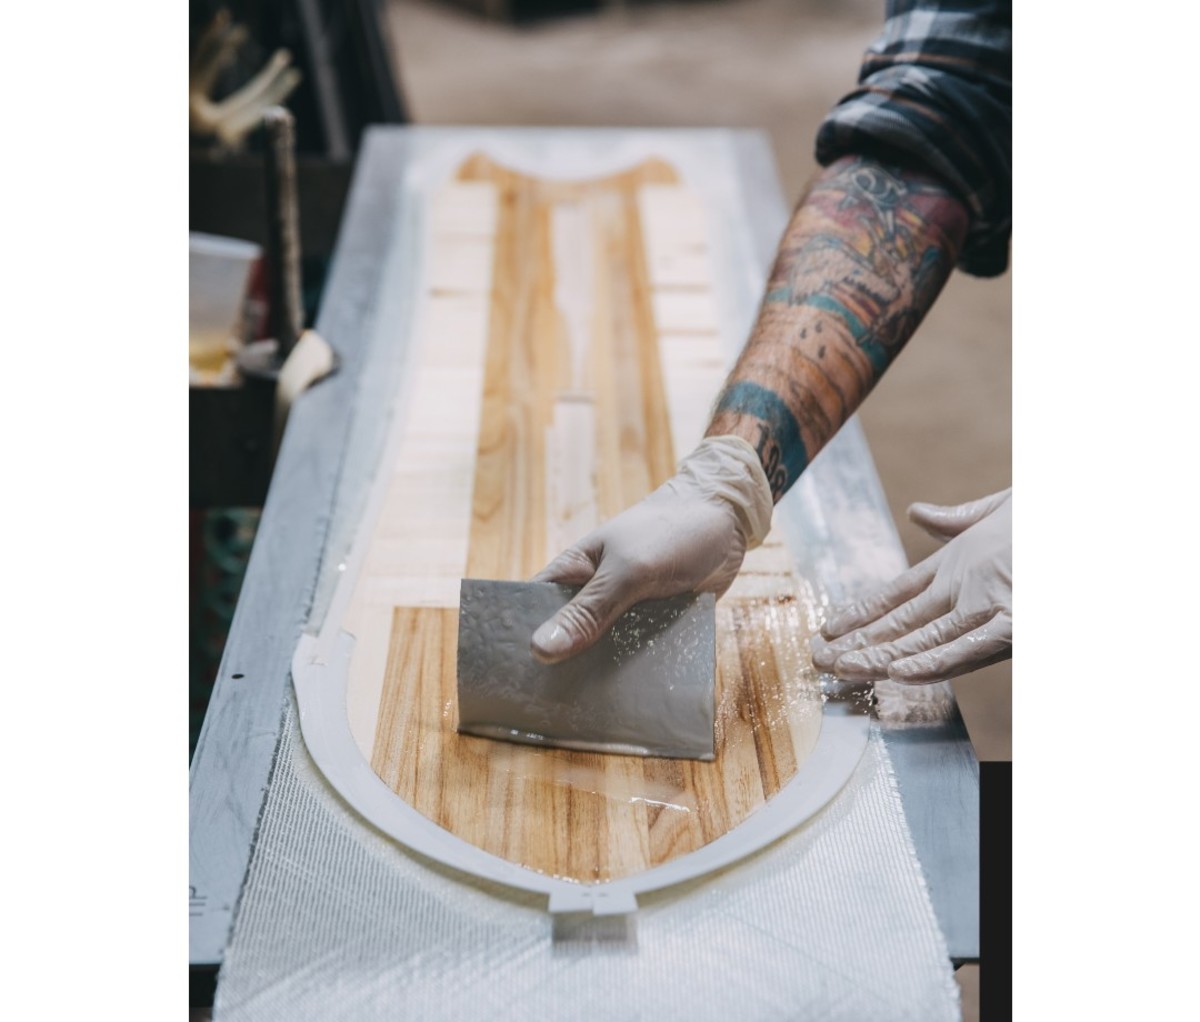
(861, 262)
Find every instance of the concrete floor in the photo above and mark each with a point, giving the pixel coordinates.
(939, 423)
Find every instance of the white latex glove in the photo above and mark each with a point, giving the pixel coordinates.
(949, 615)
(689, 535)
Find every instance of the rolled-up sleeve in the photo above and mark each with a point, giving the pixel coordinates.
(935, 91)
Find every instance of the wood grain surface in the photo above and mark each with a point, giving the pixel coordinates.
(568, 355)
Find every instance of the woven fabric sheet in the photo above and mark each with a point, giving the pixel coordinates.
(336, 921)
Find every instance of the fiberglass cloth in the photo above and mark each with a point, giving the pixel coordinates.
(336, 921)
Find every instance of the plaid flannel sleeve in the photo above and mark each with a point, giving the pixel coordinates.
(935, 90)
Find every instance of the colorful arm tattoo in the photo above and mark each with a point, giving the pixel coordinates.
(861, 262)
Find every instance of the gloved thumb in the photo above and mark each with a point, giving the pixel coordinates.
(945, 522)
(591, 613)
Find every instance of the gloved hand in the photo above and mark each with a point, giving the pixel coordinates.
(947, 616)
(689, 535)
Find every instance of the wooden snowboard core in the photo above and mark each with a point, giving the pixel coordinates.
(567, 352)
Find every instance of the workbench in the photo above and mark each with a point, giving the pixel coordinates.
(323, 469)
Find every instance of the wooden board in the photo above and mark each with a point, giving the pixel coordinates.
(567, 352)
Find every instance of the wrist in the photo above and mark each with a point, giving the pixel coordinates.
(727, 468)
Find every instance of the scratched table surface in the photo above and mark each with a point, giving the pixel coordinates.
(333, 439)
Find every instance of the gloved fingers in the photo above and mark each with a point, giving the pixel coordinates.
(897, 592)
(988, 644)
(825, 654)
(575, 566)
(871, 663)
(591, 613)
(945, 522)
(926, 606)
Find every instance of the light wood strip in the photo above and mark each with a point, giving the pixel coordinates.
(371, 622)
(635, 474)
(660, 450)
(571, 472)
(609, 477)
(496, 464)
